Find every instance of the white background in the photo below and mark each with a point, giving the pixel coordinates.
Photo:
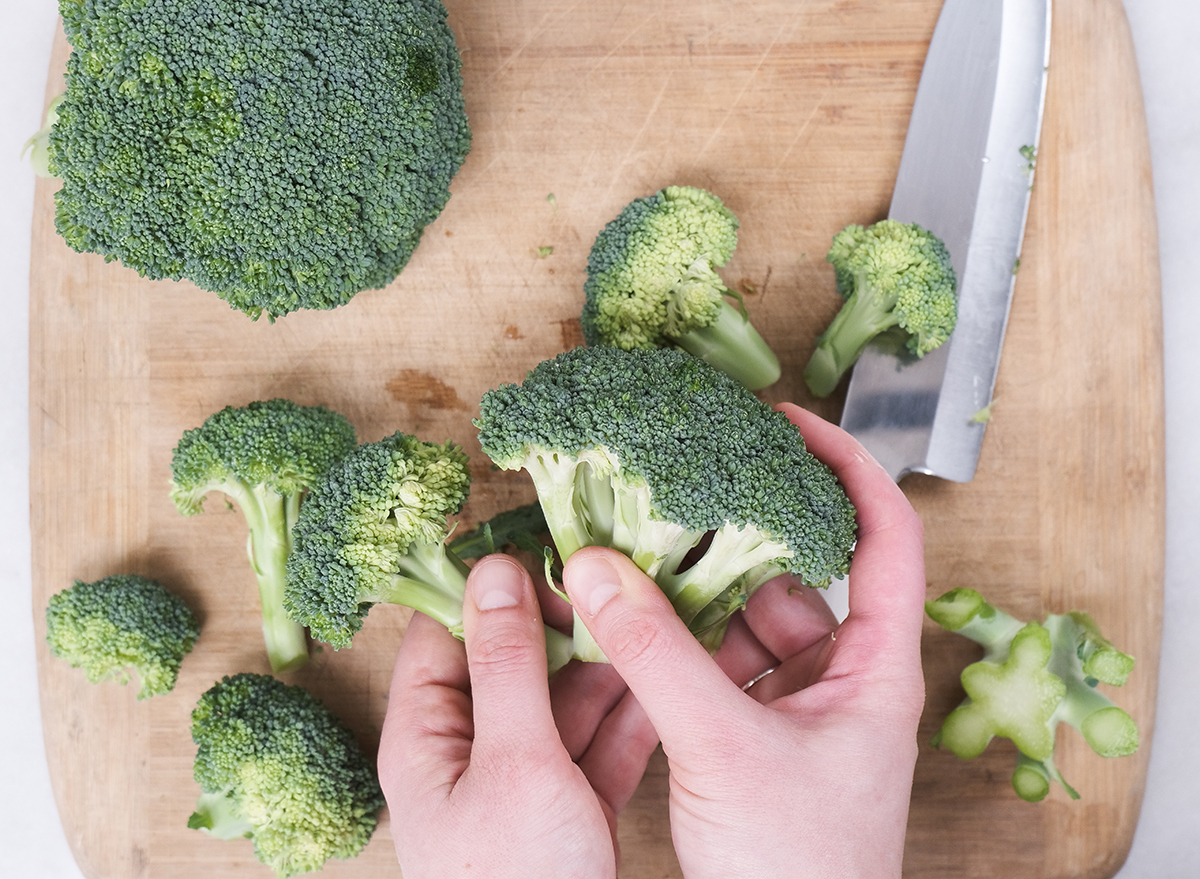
(1167, 844)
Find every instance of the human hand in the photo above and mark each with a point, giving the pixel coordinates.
(471, 760)
(809, 772)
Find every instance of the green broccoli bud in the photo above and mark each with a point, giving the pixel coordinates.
(652, 283)
(119, 623)
(1031, 678)
(374, 531)
(282, 158)
(264, 456)
(652, 452)
(275, 765)
(891, 275)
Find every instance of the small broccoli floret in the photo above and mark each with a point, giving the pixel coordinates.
(275, 765)
(891, 275)
(374, 530)
(1032, 677)
(654, 452)
(119, 623)
(264, 456)
(282, 155)
(652, 283)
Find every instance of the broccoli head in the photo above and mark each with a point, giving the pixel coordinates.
(891, 275)
(1032, 677)
(374, 531)
(284, 155)
(275, 765)
(264, 456)
(119, 623)
(652, 283)
(659, 455)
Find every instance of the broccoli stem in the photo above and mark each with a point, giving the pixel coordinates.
(270, 517)
(433, 580)
(215, 815)
(861, 319)
(734, 346)
(734, 552)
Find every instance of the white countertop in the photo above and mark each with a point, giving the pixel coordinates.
(1167, 844)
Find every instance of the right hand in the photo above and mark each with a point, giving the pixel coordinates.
(809, 772)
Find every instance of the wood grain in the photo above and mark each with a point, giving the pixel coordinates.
(794, 113)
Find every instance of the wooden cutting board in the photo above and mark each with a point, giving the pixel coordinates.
(794, 112)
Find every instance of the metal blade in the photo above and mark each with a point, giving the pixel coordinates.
(965, 174)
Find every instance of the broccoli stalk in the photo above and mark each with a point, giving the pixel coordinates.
(891, 275)
(374, 530)
(275, 765)
(264, 457)
(671, 461)
(652, 283)
(1032, 677)
(122, 622)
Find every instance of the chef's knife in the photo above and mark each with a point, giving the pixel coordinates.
(965, 175)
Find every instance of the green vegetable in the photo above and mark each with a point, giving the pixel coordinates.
(275, 765)
(264, 456)
(281, 155)
(1032, 677)
(661, 456)
(119, 623)
(38, 146)
(652, 283)
(891, 275)
(521, 526)
(373, 530)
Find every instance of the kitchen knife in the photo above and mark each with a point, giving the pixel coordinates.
(965, 175)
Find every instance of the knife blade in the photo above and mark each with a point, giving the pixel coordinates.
(965, 174)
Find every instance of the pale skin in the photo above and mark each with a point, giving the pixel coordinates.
(489, 770)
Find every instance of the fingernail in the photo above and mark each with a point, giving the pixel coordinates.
(497, 583)
(594, 581)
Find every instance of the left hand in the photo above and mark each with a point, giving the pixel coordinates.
(483, 767)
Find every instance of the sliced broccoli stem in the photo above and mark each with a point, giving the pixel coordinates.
(1101, 660)
(734, 346)
(863, 317)
(270, 517)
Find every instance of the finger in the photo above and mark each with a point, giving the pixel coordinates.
(742, 656)
(427, 730)
(581, 696)
(616, 758)
(677, 683)
(787, 616)
(887, 581)
(506, 655)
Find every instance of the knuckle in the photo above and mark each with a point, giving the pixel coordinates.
(501, 647)
(638, 641)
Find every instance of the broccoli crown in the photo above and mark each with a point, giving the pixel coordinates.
(650, 274)
(276, 444)
(905, 274)
(276, 761)
(709, 453)
(360, 522)
(122, 622)
(282, 155)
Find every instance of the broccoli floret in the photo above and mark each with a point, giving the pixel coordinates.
(891, 275)
(652, 283)
(119, 623)
(654, 452)
(38, 146)
(264, 456)
(282, 155)
(275, 765)
(1032, 677)
(373, 531)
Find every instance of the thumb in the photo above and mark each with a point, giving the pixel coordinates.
(506, 656)
(678, 684)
